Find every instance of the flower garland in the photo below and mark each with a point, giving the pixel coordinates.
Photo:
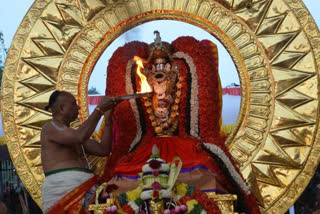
(208, 79)
(234, 173)
(133, 103)
(124, 119)
(191, 201)
(194, 103)
(183, 198)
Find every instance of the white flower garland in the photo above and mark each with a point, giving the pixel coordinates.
(134, 206)
(203, 211)
(147, 195)
(233, 172)
(129, 90)
(164, 167)
(194, 107)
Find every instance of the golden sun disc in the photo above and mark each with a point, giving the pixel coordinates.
(277, 157)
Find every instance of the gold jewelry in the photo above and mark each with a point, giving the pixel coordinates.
(168, 127)
(99, 110)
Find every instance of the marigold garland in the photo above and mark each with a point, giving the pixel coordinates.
(182, 189)
(134, 194)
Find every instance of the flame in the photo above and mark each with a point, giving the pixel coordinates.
(145, 87)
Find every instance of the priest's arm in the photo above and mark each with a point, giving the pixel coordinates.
(104, 147)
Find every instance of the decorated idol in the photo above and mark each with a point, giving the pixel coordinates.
(181, 116)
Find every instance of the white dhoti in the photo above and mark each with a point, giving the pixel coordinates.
(58, 184)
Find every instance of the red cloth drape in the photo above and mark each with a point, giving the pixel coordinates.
(71, 202)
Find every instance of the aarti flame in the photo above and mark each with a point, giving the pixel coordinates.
(145, 87)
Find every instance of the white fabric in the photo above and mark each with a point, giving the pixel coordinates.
(57, 185)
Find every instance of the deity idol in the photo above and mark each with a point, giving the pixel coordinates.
(182, 117)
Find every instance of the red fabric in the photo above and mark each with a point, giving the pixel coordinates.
(191, 154)
(94, 100)
(169, 147)
(232, 91)
(70, 203)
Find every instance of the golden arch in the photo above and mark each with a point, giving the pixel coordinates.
(272, 42)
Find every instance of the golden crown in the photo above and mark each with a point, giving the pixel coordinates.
(159, 51)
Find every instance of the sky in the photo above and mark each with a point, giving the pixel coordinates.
(11, 18)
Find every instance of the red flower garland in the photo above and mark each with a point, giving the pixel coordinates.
(128, 209)
(205, 57)
(207, 203)
(155, 194)
(208, 78)
(123, 116)
(155, 164)
(184, 199)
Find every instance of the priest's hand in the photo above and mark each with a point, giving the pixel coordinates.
(108, 103)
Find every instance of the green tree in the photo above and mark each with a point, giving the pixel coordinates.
(92, 91)
(1, 72)
(3, 54)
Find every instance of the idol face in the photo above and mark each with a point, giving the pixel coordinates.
(162, 78)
